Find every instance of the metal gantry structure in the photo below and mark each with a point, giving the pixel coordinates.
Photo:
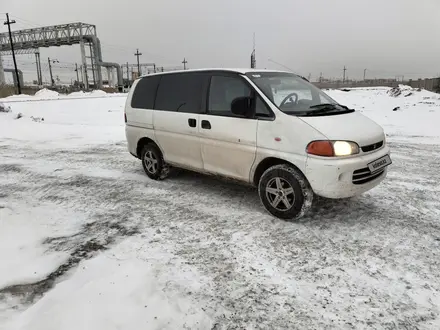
(30, 40)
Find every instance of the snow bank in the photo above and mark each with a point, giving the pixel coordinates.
(418, 110)
(45, 94)
(48, 95)
(98, 93)
(17, 97)
(72, 121)
(77, 94)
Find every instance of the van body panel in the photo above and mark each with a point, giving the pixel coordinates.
(179, 141)
(229, 147)
(349, 126)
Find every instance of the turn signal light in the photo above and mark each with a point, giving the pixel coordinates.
(328, 148)
(321, 148)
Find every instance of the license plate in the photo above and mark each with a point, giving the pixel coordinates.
(380, 163)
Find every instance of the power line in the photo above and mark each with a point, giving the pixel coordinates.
(127, 49)
(27, 21)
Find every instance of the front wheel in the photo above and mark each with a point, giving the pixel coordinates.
(285, 192)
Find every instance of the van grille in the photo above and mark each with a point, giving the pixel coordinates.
(364, 175)
(372, 147)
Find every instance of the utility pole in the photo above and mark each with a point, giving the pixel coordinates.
(128, 74)
(8, 23)
(137, 54)
(184, 63)
(365, 71)
(77, 73)
(343, 79)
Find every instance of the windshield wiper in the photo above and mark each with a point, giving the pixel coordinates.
(323, 110)
(328, 105)
(323, 105)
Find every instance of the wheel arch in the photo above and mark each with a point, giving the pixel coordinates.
(141, 143)
(269, 162)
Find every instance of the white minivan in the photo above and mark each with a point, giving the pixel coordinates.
(272, 129)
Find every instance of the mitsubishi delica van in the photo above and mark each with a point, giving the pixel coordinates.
(271, 129)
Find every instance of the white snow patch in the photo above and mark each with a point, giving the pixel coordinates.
(23, 229)
(415, 120)
(46, 94)
(108, 292)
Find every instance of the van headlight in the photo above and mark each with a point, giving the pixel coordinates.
(329, 148)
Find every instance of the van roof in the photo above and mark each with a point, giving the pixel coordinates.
(241, 71)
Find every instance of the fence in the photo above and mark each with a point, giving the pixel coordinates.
(432, 84)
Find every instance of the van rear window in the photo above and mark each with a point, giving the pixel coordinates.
(144, 94)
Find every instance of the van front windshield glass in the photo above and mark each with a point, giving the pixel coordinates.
(293, 95)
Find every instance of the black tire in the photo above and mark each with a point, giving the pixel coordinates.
(286, 187)
(153, 163)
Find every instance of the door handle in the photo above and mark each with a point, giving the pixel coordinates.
(206, 124)
(192, 122)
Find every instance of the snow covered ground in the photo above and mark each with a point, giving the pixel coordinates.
(87, 241)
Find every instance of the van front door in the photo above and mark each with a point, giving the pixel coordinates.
(176, 118)
(228, 142)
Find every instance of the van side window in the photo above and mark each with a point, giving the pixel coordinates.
(180, 92)
(221, 93)
(145, 93)
(261, 109)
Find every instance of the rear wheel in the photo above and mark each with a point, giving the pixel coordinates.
(285, 192)
(153, 163)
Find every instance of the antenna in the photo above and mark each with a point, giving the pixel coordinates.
(282, 65)
(253, 59)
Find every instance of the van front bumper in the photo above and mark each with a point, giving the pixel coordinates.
(339, 178)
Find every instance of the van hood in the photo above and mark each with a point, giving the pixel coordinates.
(348, 126)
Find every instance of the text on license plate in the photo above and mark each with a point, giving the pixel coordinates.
(380, 163)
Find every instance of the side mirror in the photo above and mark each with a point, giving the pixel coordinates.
(242, 106)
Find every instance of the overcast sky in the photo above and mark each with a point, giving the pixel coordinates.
(388, 37)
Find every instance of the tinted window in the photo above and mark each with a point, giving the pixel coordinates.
(222, 91)
(145, 93)
(180, 92)
(261, 109)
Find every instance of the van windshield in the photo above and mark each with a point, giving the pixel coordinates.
(293, 95)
